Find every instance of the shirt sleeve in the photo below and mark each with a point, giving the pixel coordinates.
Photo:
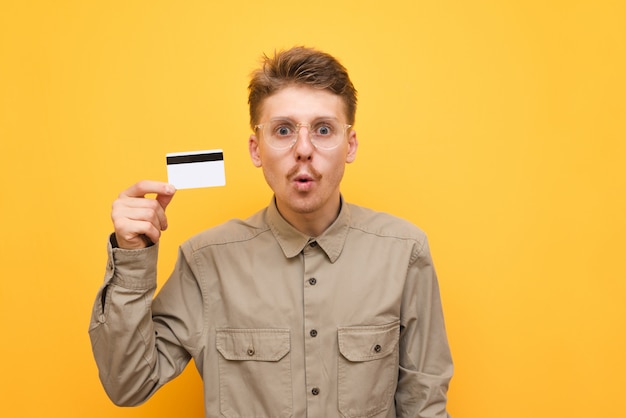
(425, 360)
(136, 350)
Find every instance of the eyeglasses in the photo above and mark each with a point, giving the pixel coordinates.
(324, 134)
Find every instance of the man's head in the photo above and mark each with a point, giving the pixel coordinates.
(302, 106)
(300, 66)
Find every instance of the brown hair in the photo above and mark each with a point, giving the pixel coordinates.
(300, 66)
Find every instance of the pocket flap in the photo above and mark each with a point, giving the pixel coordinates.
(365, 343)
(253, 344)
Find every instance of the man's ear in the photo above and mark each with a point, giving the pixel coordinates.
(353, 144)
(253, 148)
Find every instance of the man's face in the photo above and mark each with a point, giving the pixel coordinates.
(305, 179)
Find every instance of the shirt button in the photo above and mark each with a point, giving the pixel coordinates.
(313, 333)
(312, 281)
(377, 348)
(250, 351)
(315, 391)
(313, 244)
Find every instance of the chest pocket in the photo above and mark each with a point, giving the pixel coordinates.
(367, 368)
(254, 372)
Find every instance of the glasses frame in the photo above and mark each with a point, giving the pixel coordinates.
(297, 133)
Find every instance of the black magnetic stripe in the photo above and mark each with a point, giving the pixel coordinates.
(195, 158)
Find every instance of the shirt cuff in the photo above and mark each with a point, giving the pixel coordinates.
(131, 269)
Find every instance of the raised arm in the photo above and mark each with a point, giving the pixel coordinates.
(135, 353)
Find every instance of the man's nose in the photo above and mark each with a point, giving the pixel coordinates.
(303, 147)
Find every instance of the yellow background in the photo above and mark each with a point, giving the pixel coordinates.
(499, 127)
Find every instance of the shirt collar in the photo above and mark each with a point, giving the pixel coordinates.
(293, 241)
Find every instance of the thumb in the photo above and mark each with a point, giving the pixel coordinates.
(165, 197)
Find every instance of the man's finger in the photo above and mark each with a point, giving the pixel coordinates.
(144, 187)
(140, 209)
(165, 199)
(138, 234)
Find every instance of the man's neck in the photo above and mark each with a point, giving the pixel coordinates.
(314, 223)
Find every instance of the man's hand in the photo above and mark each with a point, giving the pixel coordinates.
(138, 220)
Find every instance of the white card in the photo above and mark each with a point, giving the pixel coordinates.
(188, 170)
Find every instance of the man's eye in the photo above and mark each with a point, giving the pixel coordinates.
(324, 130)
(283, 130)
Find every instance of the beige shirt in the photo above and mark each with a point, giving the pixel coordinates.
(280, 324)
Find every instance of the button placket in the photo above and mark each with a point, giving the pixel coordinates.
(315, 261)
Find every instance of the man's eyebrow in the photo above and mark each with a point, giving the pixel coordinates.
(314, 119)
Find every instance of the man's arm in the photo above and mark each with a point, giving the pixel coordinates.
(133, 361)
(425, 359)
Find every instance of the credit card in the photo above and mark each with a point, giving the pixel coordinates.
(194, 169)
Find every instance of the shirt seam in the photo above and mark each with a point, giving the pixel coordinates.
(195, 249)
(388, 235)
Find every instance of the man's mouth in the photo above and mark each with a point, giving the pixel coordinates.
(303, 177)
(303, 180)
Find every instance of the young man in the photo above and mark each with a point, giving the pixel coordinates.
(311, 307)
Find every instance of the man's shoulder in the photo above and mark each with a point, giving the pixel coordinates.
(231, 231)
(383, 224)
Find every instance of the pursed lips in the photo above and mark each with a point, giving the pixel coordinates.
(304, 180)
(303, 174)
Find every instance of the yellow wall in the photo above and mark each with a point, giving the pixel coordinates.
(499, 127)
